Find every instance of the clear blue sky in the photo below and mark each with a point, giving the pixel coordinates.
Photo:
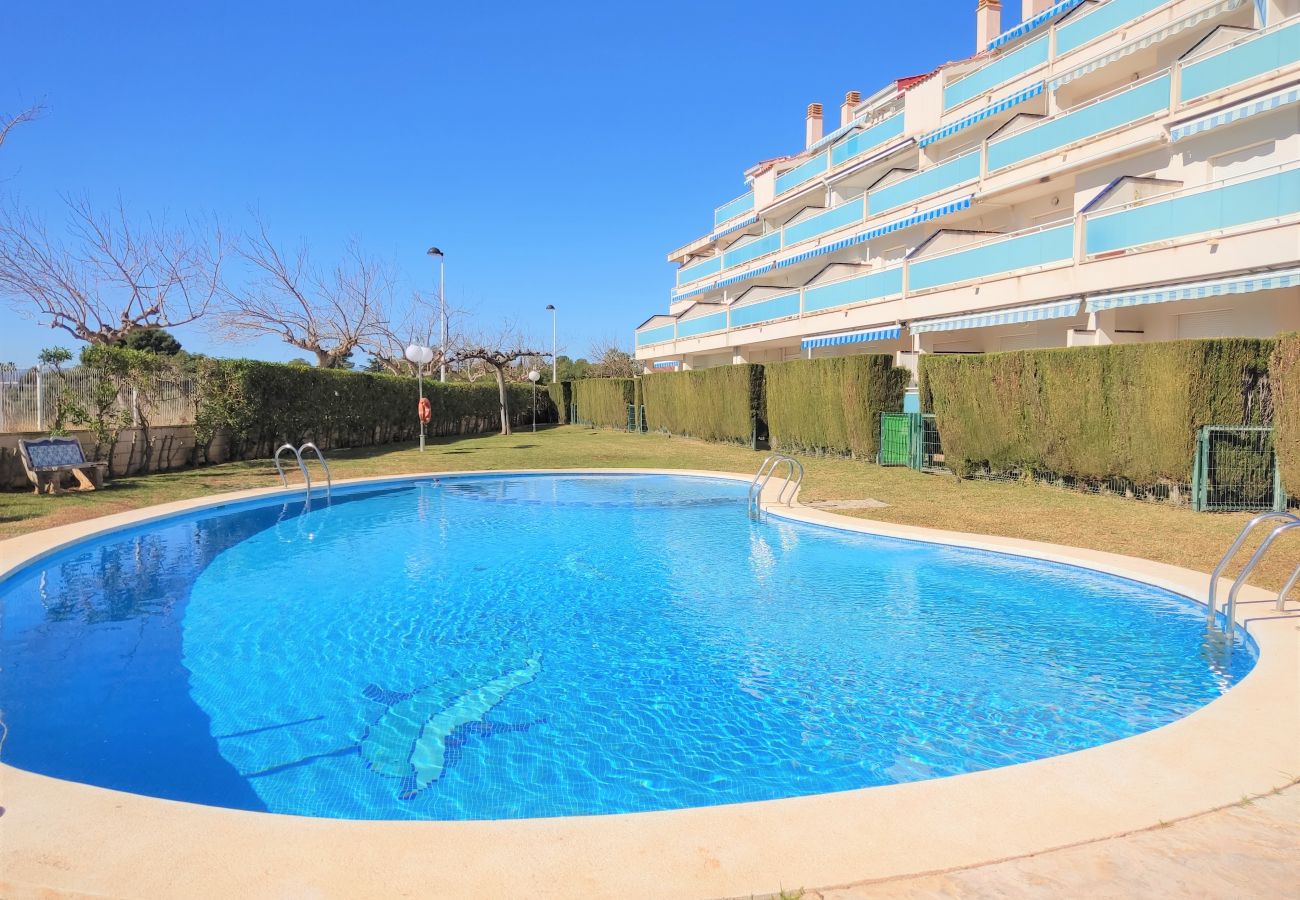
(554, 151)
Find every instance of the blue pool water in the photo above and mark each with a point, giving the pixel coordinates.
(508, 646)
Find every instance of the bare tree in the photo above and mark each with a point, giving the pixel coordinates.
(609, 360)
(9, 123)
(419, 321)
(498, 352)
(111, 276)
(329, 314)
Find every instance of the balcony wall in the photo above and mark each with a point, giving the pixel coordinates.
(1255, 56)
(696, 271)
(1006, 67)
(702, 324)
(768, 243)
(857, 289)
(958, 170)
(778, 307)
(733, 208)
(831, 220)
(860, 143)
(1038, 248)
(802, 173)
(1107, 17)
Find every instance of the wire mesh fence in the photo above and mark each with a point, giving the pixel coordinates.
(912, 440)
(30, 398)
(1236, 469)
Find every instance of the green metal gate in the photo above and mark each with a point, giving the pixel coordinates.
(910, 439)
(1236, 470)
(636, 418)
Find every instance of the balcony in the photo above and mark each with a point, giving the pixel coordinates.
(1251, 57)
(801, 173)
(768, 243)
(833, 219)
(1090, 120)
(860, 143)
(733, 208)
(999, 256)
(1018, 62)
(656, 335)
(857, 289)
(1102, 20)
(780, 307)
(954, 172)
(696, 271)
(702, 324)
(1273, 195)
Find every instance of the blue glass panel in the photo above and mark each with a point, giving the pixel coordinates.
(702, 325)
(1063, 130)
(654, 335)
(699, 270)
(1004, 68)
(845, 214)
(913, 187)
(863, 141)
(1226, 207)
(854, 290)
(1102, 19)
(1248, 59)
(801, 173)
(767, 244)
(733, 208)
(1021, 252)
(771, 308)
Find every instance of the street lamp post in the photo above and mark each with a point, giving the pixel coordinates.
(442, 309)
(534, 376)
(554, 363)
(420, 357)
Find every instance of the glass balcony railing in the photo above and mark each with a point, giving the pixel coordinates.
(860, 143)
(928, 181)
(768, 243)
(702, 324)
(858, 289)
(1008, 254)
(835, 218)
(696, 271)
(1249, 58)
(1096, 117)
(1229, 204)
(1023, 59)
(732, 208)
(1105, 18)
(779, 307)
(801, 173)
(656, 335)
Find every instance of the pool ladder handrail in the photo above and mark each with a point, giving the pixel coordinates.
(793, 481)
(302, 465)
(1289, 521)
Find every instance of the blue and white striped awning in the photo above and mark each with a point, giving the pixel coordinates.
(743, 223)
(991, 110)
(1029, 25)
(836, 134)
(667, 363)
(918, 218)
(1284, 97)
(885, 333)
(1218, 287)
(1189, 21)
(743, 275)
(820, 251)
(682, 295)
(1057, 309)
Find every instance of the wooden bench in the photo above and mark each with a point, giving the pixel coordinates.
(47, 459)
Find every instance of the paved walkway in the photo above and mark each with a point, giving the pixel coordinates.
(1251, 850)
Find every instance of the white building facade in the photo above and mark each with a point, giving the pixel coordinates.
(1108, 171)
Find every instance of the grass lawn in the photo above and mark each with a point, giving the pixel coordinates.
(1167, 534)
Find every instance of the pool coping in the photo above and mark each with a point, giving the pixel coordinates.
(64, 838)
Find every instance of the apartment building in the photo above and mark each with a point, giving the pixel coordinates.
(1107, 171)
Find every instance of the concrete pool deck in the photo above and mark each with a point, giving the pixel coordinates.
(62, 838)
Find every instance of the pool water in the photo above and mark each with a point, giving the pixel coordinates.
(509, 646)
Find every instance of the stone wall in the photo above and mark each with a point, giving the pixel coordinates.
(173, 449)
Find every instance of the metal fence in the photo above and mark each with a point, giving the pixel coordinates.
(912, 440)
(30, 398)
(1236, 469)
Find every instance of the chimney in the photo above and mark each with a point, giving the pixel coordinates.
(813, 124)
(988, 23)
(851, 101)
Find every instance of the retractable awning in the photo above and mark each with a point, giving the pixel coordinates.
(1218, 287)
(743, 223)
(1189, 21)
(918, 218)
(1276, 100)
(667, 363)
(1057, 309)
(991, 110)
(1029, 25)
(884, 333)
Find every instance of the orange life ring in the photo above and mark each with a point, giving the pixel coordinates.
(426, 411)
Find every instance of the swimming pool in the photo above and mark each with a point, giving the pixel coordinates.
(511, 646)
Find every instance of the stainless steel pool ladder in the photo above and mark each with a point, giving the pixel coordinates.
(765, 471)
(1288, 522)
(302, 465)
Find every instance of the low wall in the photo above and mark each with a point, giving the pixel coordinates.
(173, 449)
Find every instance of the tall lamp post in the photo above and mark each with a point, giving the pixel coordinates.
(550, 307)
(442, 308)
(420, 357)
(534, 376)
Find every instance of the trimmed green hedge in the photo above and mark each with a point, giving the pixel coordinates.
(260, 405)
(833, 405)
(603, 402)
(1129, 411)
(717, 404)
(1284, 378)
(561, 395)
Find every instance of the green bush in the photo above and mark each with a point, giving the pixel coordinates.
(832, 405)
(560, 394)
(260, 405)
(1128, 411)
(603, 402)
(1284, 377)
(719, 404)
